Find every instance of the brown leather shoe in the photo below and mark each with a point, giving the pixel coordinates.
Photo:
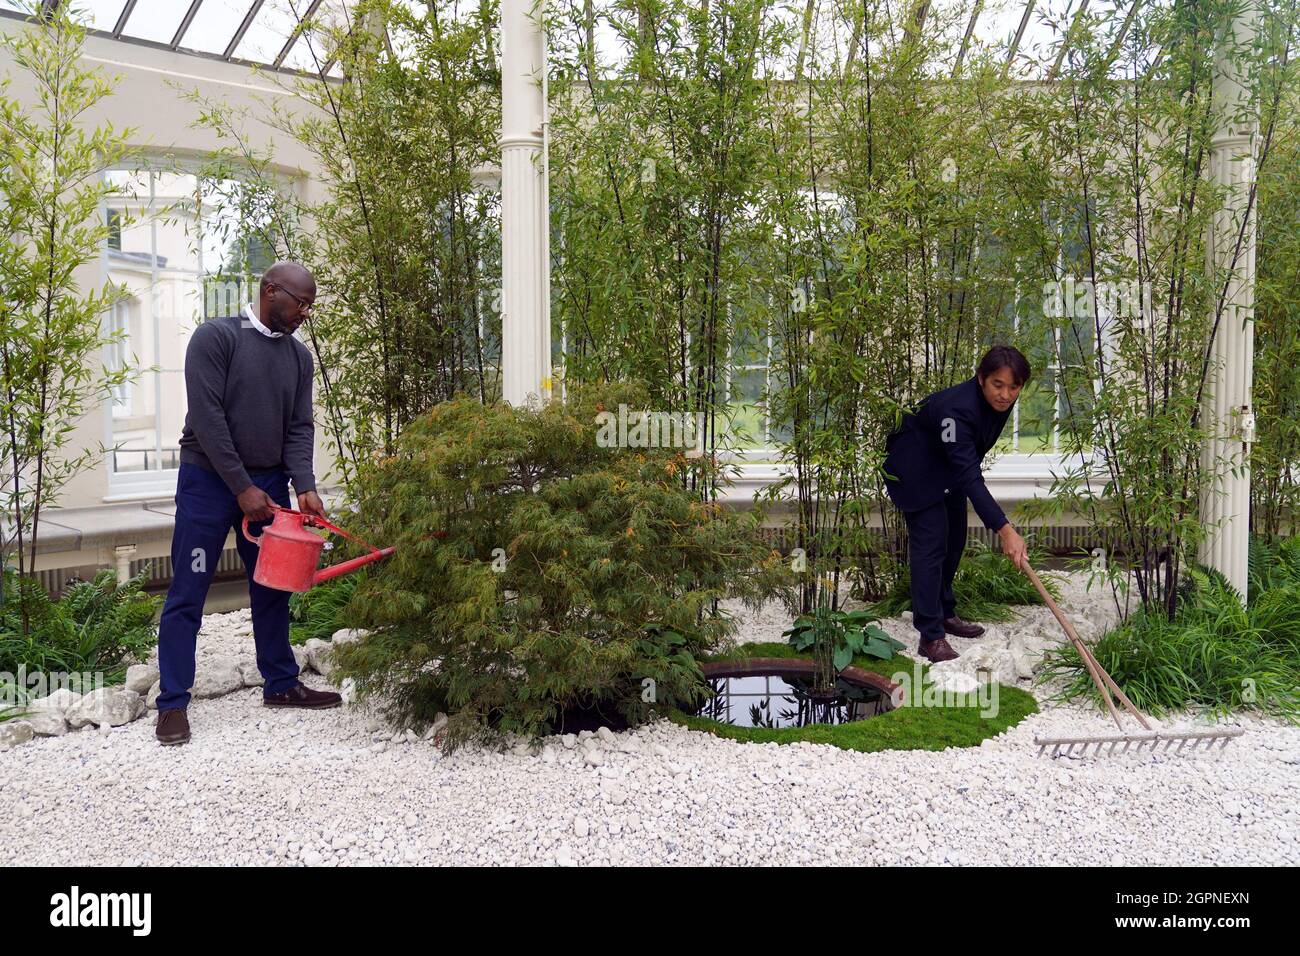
(172, 727)
(303, 696)
(959, 628)
(937, 651)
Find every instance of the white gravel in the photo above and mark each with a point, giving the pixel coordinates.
(260, 786)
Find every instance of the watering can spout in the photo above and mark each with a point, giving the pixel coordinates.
(347, 567)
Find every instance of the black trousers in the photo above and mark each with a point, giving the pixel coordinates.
(936, 538)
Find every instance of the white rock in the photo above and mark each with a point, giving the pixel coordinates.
(216, 678)
(348, 635)
(152, 700)
(318, 656)
(140, 677)
(46, 723)
(60, 700)
(952, 681)
(593, 758)
(249, 673)
(14, 732)
(435, 729)
(581, 827)
(987, 662)
(111, 705)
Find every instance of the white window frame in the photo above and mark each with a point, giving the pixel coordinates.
(158, 483)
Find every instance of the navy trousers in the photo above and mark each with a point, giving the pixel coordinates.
(936, 538)
(205, 512)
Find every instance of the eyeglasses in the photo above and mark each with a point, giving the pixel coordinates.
(303, 304)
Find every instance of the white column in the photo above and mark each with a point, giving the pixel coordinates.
(525, 203)
(1225, 498)
(122, 555)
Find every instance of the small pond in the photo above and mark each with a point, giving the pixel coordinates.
(780, 693)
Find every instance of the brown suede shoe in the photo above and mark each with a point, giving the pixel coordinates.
(303, 696)
(172, 727)
(959, 628)
(937, 651)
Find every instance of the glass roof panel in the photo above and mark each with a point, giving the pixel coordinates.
(946, 21)
(155, 20)
(311, 50)
(1046, 29)
(270, 30)
(998, 22)
(306, 53)
(96, 14)
(215, 23)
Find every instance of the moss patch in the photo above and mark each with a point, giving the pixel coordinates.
(907, 728)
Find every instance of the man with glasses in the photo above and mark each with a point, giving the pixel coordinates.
(248, 433)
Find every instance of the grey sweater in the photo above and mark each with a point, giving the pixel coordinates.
(249, 404)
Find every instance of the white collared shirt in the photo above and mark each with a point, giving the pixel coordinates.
(257, 323)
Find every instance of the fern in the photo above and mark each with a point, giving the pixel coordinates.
(97, 625)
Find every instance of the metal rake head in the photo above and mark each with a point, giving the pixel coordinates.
(1106, 746)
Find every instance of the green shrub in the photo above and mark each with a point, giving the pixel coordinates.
(986, 585)
(96, 625)
(536, 571)
(1214, 653)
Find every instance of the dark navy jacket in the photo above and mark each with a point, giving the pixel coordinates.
(925, 466)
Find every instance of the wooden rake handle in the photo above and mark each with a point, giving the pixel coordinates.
(1099, 676)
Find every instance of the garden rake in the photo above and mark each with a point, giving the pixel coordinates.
(1135, 740)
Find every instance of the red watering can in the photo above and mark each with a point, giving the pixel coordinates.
(290, 552)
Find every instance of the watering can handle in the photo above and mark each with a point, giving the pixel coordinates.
(309, 520)
(329, 526)
(258, 540)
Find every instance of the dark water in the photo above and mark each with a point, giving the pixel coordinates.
(786, 700)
